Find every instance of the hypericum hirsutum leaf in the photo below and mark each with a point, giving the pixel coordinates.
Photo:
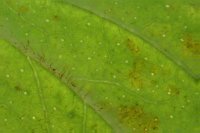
(172, 26)
(34, 101)
(131, 85)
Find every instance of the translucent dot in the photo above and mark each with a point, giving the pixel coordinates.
(153, 91)
(5, 120)
(25, 93)
(169, 93)
(123, 96)
(114, 76)
(88, 23)
(138, 89)
(60, 56)
(118, 44)
(182, 40)
(163, 35)
(7, 76)
(65, 27)
(26, 34)
(126, 61)
(81, 41)
(115, 2)
(167, 6)
(22, 70)
(62, 40)
(152, 74)
(54, 108)
(89, 58)
(106, 98)
(100, 43)
(135, 18)
(47, 20)
(171, 116)
(157, 86)
(33, 118)
(73, 68)
(145, 58)
(97, 70)
(185, 27)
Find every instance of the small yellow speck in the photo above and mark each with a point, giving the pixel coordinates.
(7, 75)
(33, 118)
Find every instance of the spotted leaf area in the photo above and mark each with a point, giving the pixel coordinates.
(171, 26)
(117, 82)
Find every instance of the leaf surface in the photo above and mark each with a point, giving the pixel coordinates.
(130, 84)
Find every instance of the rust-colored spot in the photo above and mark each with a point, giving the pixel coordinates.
(191, 45)
(73, 84)
(17, 88)
(23, 9)
(132, 46)
(135, 118)
(56, 17)
(173, 90)
(136, 79)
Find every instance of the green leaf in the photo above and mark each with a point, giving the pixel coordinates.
(117, 81)
(171, 26)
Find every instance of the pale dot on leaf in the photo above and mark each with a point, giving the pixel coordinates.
(181, 40)
(60, 56)
(7, 76)
(47, 20)
(163, 35)
(89, 58)
(33, 118)
(22, 70)
(167, 6)
(25, 93)
(62, 40)
(88, 23)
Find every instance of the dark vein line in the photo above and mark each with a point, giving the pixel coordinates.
(41, 95)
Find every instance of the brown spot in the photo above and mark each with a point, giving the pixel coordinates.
(132, 46)
(18, 88)
(135, 117)
(174, 91)
(73, 84)
(191, 45)
(56, 17)
(23, 9)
